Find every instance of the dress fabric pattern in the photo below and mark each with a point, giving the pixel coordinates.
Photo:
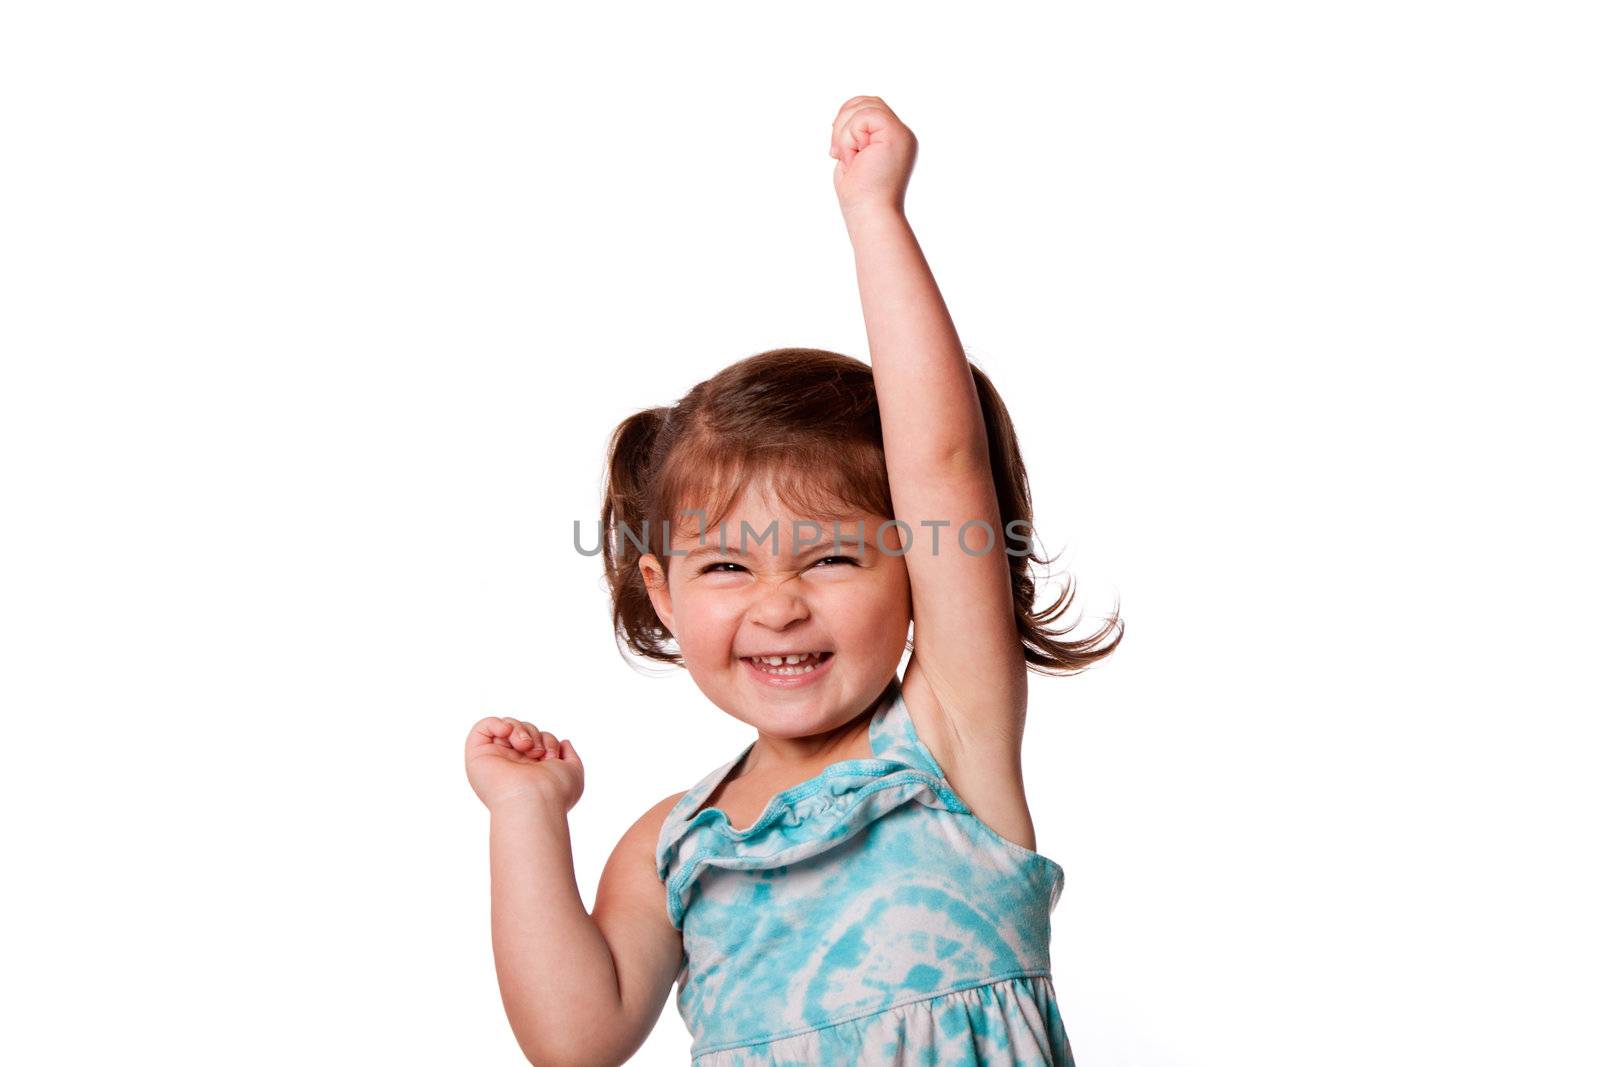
(867, 917)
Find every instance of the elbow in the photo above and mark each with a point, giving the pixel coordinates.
(535, 1052)
(563, 1039)
(531, 1053)
(541, 1055)
(574, 1061)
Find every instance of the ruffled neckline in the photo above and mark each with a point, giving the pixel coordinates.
(807, 818)
(895, 747)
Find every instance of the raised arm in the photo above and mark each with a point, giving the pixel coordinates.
(965, 635)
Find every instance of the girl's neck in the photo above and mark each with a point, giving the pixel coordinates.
(785, 757)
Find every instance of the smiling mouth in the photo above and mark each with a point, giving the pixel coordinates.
(799, 663)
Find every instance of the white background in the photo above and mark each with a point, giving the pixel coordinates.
(317, 317)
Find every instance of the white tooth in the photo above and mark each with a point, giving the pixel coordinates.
(793, 659)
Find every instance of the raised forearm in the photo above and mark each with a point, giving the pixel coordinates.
(926, 395)
(557, 977)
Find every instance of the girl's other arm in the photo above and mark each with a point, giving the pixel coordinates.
(579, 990)
(935, 447)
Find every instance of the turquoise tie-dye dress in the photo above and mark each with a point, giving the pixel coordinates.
(867, 917)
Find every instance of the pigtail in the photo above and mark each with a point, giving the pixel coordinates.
(1043, 647)
(625, 531)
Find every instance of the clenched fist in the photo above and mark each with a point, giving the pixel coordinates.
(876, 152)
(513, 762)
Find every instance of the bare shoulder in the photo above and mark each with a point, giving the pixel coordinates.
(983, 767)
(636, 852)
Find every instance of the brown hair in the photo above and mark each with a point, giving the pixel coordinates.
(807, 421)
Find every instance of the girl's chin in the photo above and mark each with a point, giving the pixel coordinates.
(803, 679)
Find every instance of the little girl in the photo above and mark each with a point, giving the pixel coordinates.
(858, 886)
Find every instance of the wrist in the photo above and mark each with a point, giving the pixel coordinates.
(532, 808)
(873, 216)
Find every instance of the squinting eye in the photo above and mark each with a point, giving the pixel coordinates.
(711, 568)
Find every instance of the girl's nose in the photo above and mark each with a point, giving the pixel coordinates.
(779, 607)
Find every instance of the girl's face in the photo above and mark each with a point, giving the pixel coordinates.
(793, 589)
